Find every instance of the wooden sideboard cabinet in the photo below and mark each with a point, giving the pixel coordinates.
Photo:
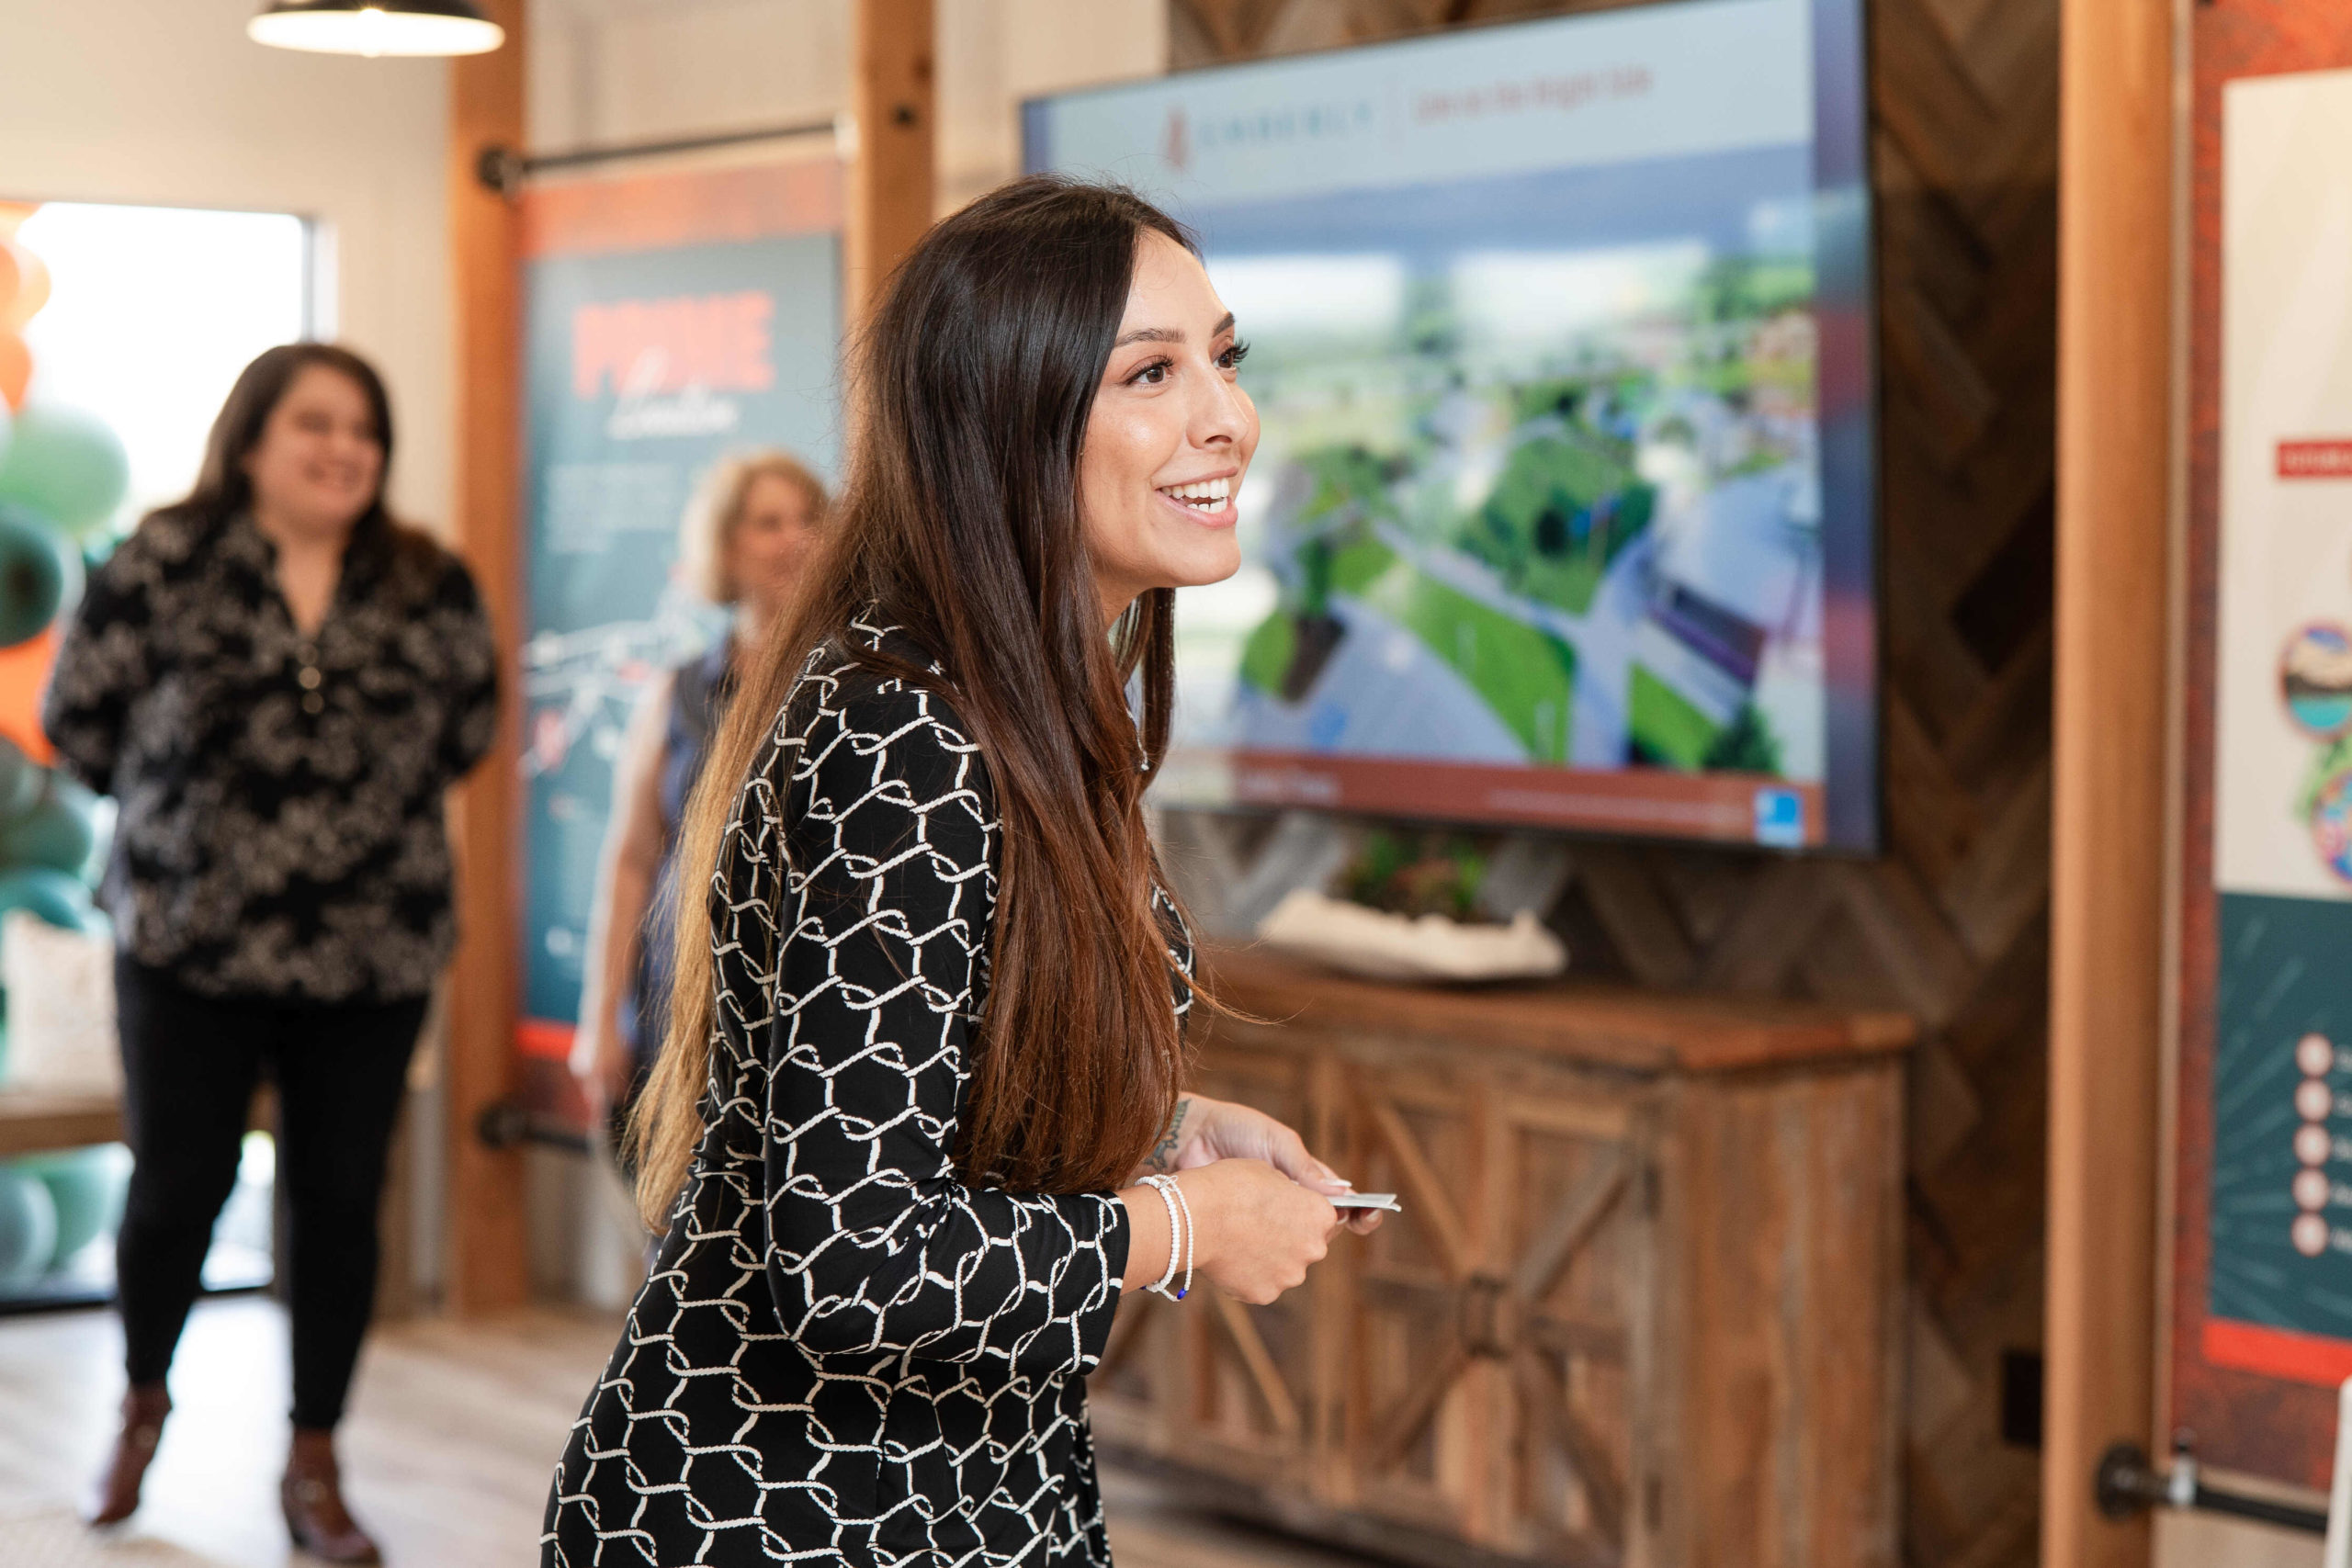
(1642, 1306)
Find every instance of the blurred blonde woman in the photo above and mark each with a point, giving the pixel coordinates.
(741, 543)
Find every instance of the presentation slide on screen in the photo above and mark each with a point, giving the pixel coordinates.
(1539, 528)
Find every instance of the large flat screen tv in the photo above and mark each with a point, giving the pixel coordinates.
(1561, 336)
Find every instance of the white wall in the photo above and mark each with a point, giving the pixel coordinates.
(626, 70)
(167, 102)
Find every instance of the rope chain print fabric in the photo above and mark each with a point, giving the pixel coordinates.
(846, 1354)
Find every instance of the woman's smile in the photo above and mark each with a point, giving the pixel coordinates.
(1207, 501)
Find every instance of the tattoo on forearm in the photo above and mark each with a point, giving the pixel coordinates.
(1163, 1154)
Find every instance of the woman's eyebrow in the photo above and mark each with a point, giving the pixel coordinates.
(1169, 334)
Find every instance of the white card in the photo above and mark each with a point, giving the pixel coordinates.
(1366, 1200)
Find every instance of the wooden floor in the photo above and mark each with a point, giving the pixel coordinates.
(453, 1431)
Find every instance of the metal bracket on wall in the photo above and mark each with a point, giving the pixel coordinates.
(2127, 1484)
(503, 170)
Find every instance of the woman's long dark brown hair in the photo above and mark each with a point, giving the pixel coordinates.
(971, 389)
(222, 486)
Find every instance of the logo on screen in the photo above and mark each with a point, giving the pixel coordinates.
(1779, 818)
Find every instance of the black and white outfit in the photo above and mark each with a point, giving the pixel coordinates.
(279, 884)
(847, 1354)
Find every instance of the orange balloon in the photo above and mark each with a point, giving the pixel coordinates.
(20, 304)
(16, 369)
(24, 671)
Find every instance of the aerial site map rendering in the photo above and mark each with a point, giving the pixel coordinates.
(1540, 527)
(1577, 547)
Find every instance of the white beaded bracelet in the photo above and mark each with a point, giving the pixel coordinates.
(1179, 1234)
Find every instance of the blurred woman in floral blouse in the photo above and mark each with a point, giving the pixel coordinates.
(278, 682)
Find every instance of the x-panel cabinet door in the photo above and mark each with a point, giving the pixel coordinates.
(1498, 1341)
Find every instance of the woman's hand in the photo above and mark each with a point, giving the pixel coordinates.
(1205, 1130)
(1256, 1232)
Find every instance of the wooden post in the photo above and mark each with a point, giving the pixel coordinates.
(890, 172)
(2108, 885)
(487, 1256)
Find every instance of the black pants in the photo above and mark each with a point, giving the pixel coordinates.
(190, 1065)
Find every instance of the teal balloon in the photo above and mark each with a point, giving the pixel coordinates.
(58, 831)
(57, 899)
(21, 779)
(64, 464)
(32, 575)
(88, 1186)
(27, 1228)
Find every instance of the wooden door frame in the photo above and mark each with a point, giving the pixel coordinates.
(487, 1251)
(2115, 617)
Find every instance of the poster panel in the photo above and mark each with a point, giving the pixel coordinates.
(668, 322)
(2261, 1320)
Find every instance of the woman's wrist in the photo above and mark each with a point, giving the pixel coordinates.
(1169, 1147)
(1150, 1239)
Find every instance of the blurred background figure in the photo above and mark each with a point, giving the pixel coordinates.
(745, 535)
(278, 682)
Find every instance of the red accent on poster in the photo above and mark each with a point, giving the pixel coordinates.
(2315, 459)
(2278, 1352)
(543, 1038)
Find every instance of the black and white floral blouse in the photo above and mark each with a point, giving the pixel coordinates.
(845, 1353)
(281, 830)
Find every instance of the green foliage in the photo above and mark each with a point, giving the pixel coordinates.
(1665, 726)
(1747, 746)
(1416, 873)
(1266, 656)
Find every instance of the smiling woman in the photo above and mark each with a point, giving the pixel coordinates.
(920, 1116)
(1171, 434)
(278, 683)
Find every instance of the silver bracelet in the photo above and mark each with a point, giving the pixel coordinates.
(1186, 1205)
(1179, 1234)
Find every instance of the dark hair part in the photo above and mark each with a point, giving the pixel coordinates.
(972, 385)
(223, 488)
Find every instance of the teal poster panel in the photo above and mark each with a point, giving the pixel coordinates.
(2281, 1215)
(644, 367)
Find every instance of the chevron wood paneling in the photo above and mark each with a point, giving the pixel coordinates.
(1951, 923)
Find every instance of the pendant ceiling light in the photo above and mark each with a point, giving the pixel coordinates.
(375, 27)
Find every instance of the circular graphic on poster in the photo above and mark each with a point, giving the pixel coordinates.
(2316, 680)
(2314, 1054)
(2332, 824)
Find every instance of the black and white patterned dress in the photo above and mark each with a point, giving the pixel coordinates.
(844, 1353)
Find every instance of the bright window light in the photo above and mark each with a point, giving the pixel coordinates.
(153, 313)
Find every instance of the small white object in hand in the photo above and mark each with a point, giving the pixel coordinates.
(1367, 1201)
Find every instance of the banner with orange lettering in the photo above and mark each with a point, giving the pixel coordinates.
(670, 320)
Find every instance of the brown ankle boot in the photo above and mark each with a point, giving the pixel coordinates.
(144, 1405)
(313, 1495)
